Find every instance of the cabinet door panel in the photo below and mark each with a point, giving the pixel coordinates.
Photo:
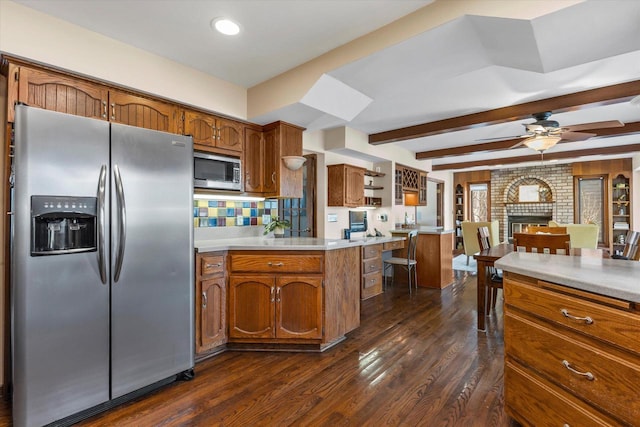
(253, 155)
(201, 127)
(251, 309)
(299, 307)
(141, 112)
(230, 135)
(355, 187)
(269, 164)
(63, 94)
(213, 318)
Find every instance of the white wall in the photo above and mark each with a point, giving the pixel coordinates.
(33, 35)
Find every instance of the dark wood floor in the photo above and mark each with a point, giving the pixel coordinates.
(416, 361)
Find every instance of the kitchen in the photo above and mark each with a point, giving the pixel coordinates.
(341, 140)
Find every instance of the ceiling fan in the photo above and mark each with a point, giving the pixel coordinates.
(544, 133)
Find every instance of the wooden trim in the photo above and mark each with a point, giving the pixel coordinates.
(613, 94)
(622, 149)
(627, 129)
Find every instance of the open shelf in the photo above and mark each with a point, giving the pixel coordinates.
(367, 172)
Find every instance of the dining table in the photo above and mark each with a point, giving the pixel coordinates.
(488, 257)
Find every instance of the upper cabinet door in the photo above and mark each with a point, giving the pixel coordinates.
(201, 127)
(230, 135)
(55, 92)
(253, 160)
(142, 112)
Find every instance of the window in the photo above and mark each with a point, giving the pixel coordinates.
(479, 198)
(591, 203)
(300, 212)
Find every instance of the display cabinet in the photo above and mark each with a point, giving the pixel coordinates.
(620, 211)
(458, 217)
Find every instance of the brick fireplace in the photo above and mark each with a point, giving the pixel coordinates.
(555, 184)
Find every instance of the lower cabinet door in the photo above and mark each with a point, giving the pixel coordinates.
(213, 322)
(299, 307)
(251, 306)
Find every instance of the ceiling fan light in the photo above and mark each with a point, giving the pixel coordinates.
(542, 142)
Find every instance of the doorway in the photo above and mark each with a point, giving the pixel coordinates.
(301, 212)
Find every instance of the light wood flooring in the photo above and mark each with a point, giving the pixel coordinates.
(415, 361)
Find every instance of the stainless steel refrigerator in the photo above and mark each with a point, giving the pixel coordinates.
(102, 263)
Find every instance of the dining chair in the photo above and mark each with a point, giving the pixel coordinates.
(630, 251)
(533, 229)
(495, 280)
(409, 263)
(557, 244)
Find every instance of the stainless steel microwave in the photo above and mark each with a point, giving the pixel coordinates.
(216, 172)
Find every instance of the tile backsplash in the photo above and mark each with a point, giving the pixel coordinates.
(232, 213)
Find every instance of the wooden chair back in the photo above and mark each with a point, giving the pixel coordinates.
(533, 229)
(484, 239)
(558, 244)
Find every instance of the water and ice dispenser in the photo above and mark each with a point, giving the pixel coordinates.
(61, 225)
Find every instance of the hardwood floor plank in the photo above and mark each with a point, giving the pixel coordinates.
(415, 361)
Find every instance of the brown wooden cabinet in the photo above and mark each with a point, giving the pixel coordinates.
(265, 172)
(422, 188)
(571, 357)
(211, 298)
(214, 134)
(276, 296)
(371, 268)
(66, 94)
(620, 210)
(345, 185)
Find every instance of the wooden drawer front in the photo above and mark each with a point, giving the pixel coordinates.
(543, 404)
(609, 324)
(371, 265)
(371, 251)
(211, 264)
(614, 387)
(371, 285)
(388, 246)
(277, 263)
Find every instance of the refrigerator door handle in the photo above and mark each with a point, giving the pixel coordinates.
(102, 263)
(122, 223)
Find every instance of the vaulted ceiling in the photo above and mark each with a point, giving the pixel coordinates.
(477, 71)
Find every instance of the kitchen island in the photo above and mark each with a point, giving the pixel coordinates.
(572, 339)
(434, 254)
(278, 294)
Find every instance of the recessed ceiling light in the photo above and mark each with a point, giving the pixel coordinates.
(225, 26)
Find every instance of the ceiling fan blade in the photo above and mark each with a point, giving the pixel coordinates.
(518, 144)
(594, 125)
(500, 138)
(576, 136)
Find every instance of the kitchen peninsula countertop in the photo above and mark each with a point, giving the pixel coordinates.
(286, 244)
(609, 277)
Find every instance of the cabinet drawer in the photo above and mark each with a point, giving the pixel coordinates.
(388, 246)
(371, 265)
(608, 324)
(524, 393)
(371, 285)
(274, 263)
(371, 251)
(614, 385)
(211, 264)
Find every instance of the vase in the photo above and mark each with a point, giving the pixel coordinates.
(278, 232)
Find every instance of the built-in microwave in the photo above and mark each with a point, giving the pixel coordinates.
(216, 172)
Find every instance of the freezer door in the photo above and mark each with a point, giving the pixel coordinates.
(60, 303)
(152, 257)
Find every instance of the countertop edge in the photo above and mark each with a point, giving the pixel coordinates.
(608, 277)
(286, 244)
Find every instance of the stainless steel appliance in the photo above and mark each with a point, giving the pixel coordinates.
(102, 264)
(216, 172)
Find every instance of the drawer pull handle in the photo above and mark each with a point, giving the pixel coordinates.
(273, 290)
(278, 289)
(587, 320)
(277, 264)
(213, 265)
(587, 375)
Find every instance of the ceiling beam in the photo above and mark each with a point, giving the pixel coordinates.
(613, 94)
(620, 149)
(627, 129)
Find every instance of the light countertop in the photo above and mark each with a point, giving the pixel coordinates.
(609, 277)
(423, 230)
(286, 244)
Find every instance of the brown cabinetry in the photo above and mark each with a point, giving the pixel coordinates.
(620, 211)
(422, 189)
(280, 139)
(58, 92)
(275, 296)
(371, 271)
(214, 134)
(572, 352)
(254, 166)
(410, 186)
(211, 297)
(345, 185)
